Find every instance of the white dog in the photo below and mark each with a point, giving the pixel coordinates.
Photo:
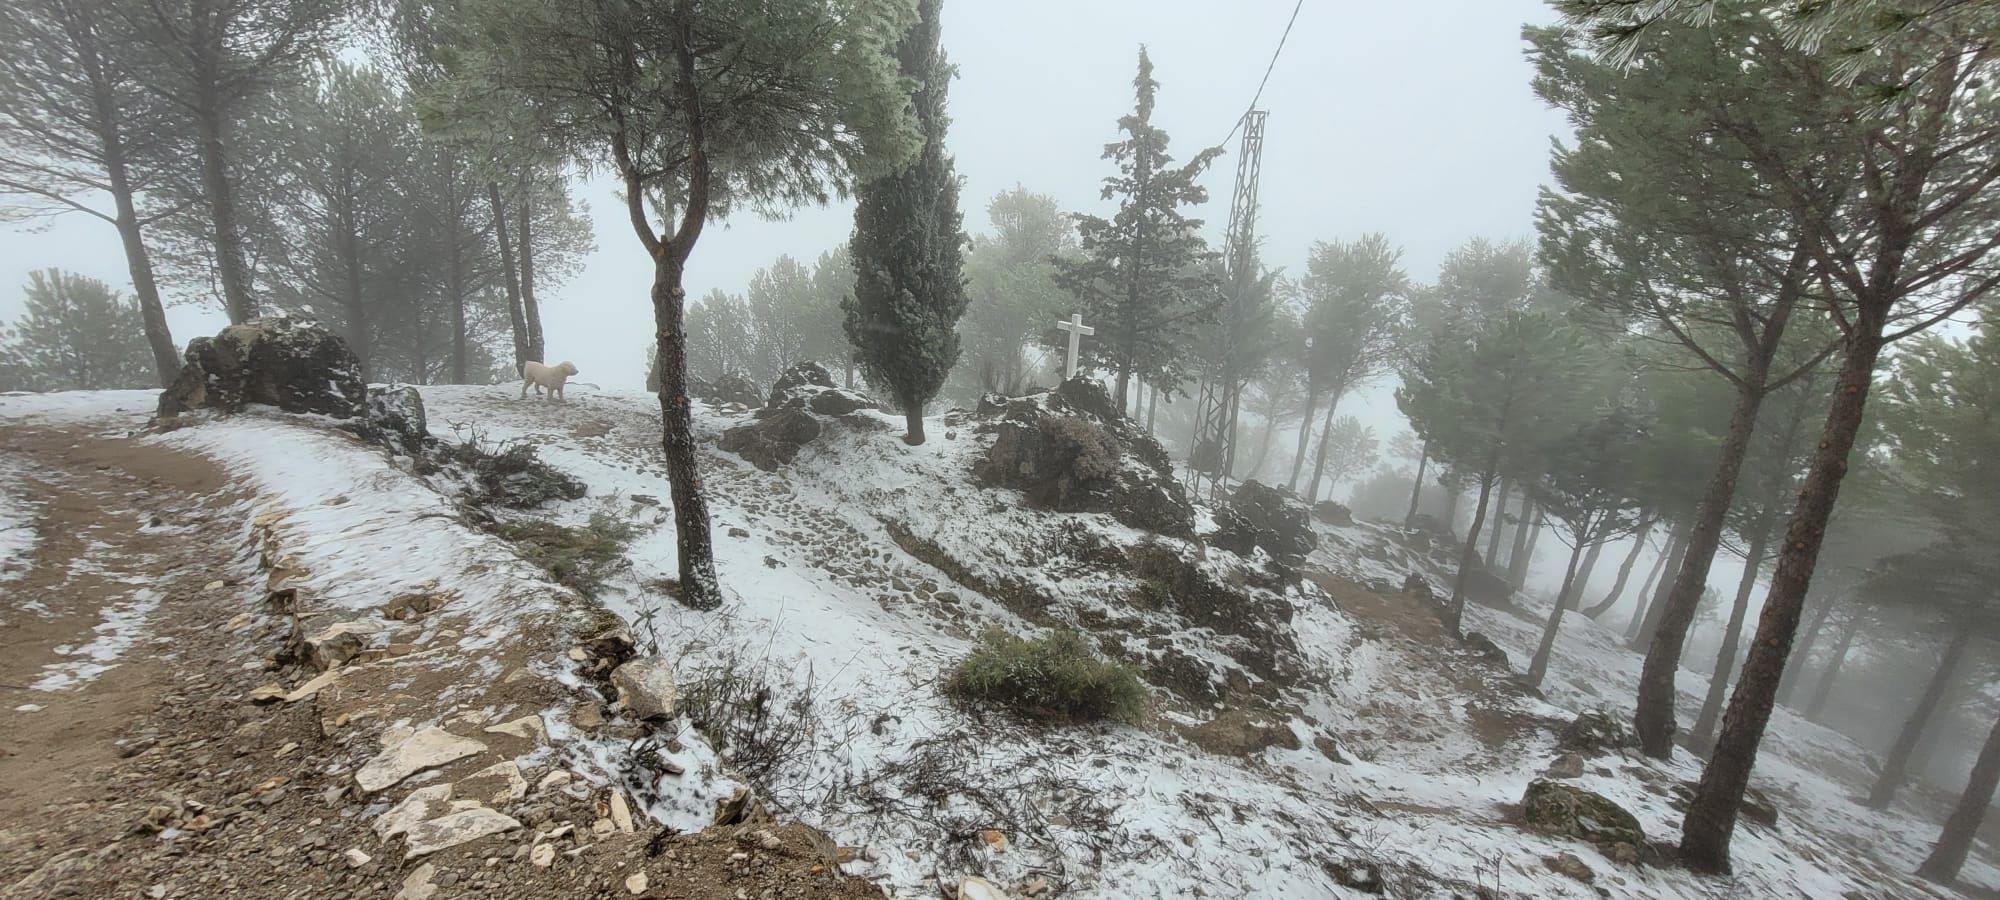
(538, 376)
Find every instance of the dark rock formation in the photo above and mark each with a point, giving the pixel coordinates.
(1488, 589)
(1284, 526)
(774, 440)
(800, 375)
(1262, 621)
(731, 387)
(1594, 733)
(395, 417)
(1068, 450)
(1333, 513)
(1552, 807)
(1242, 732)
(299, 367)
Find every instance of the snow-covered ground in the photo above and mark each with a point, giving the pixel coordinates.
(818, 587)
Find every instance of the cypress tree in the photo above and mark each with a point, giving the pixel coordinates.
(908, 294)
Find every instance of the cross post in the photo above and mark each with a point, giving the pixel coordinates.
(1077, 330)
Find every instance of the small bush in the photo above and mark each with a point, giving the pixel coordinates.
(577, 558)
(1055, 678)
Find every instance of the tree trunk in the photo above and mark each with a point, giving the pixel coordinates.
(1540, 666)
(531, 312)
(1703, 736)
(1417, 490)
(1649, 607)
(353, 299)
(1124, 382)
(230, 268)
(1524, 528)
(1803, 656)
(1466, 555)
(1235, 411)
(1518, 565)
(1326, 432)
(1499, 525)
(1711, 817)
(514, 316)
(454, 285)
(1305, 435)
(698, 587)
(1624, 574)
(1963, 825)
(1152, 407)
(913, 424)
(1653, 717)
(1583, 575)
(1896, 764)
(1823, 690)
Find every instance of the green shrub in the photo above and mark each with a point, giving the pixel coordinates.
(506, 474)
(577, 558)
(1055, 678)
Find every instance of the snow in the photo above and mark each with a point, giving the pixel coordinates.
(123, 624)
(17, 523)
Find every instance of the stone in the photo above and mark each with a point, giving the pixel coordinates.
(498, 784)
(336, 644)
(417, 885)
(1235, 533)
(528, 727)
(296, 366)
(554, 779)
(1594, 733)
(996, 840)
(1566, 766)
(731, 387)
(393, 416)
(1488, 589)
(636, 883)
(1569, 865)
(1329, 748)
(741, 807)
(646, 687)
(543, 856)
(457, 828)
(774, 441)
(269, 693)
(973, 887)
(1241, 732)
(838, 402)
(799, 375)
(1332, 513)
(1555, 808)
(1284, 527)
(1357, 874)
(421, 804)
(621, 813)
(1758, 809)
(425, 749)
(1483, 647)
(1070, 451)
(355, 858)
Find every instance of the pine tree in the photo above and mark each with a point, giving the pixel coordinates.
(908, 291)
(1141, 281)
(77, 334)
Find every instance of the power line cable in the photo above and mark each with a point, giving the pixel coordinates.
(1267, 73)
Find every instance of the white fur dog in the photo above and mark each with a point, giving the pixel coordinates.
(551, 378)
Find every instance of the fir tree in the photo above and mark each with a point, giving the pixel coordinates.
(1140, 280)
(908, 294)
(78, 335)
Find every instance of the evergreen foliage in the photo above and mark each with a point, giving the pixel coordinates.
(75, 334)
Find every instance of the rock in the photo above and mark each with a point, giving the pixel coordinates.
(636, 883)
(498, 784)
(1758, 809)
(587, 716)
(268, 693)
(543, 856)
(1569, 865)
(417, 885)
(425, 749)
(1333, 513)
(1484, 648)
(997, 840)
(732, 387)
(1329, 748)
(1070, 451)
(621, 813)
(973, 887)
(338, 643)
(1240, 732)
(355, 858)
(1488, 589)
(461, 827)
(773, 441)
(990, 404)
(646, 687)
(740, 808)
(1566, 766)
(1555, 808)
(1594, 733)
(838, 402)
(297, 366)
(1357, 874)
(554, 779)
(1427, 524)
(801, 374)
(421, 804)
(528, 727)
(1235, 533)
(1283, 525)
(394, 417)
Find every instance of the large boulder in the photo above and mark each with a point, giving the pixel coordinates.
(296, 366)
(1488, 589)
(1241, 732)
(395, 416)
(800, 375)
(774, 440)
(1552, 807)
(731, 387)
(1284, 525)
(1595, 733)
(1070, 451)
(1333, 513)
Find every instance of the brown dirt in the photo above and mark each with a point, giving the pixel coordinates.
(159, 779)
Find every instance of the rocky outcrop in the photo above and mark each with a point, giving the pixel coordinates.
(1552, 807)
(773, 441)
(1260, 620)
(646, 687)
(793, 382)
(1284, 527)
(1242, 732)
(731, 387)
(1069, 450)
(394, 416)
(1332, 513)
(1487, 589)
(1594, 733)
(299, 367)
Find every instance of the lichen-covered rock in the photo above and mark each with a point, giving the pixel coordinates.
(1552, 807)
(1241, 732)
(1594, 733)
(395, 417)
(1284, 525)
(1333, 513)
(774, 440)
(1068, 450)
(296, 366)
(802, 374)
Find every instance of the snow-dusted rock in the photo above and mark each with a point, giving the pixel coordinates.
(774, 440)
(394, 416)
(463, 827)
(1555, 808)
(646, 687)
(421, 804)
(425, 749)
(296, 366)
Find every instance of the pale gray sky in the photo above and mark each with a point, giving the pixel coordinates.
(1413, 119)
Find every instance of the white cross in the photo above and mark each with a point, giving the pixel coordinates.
(1077, 330)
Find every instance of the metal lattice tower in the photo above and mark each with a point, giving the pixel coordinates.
(1214, 449)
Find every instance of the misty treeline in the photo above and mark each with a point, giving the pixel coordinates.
(268, 155)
